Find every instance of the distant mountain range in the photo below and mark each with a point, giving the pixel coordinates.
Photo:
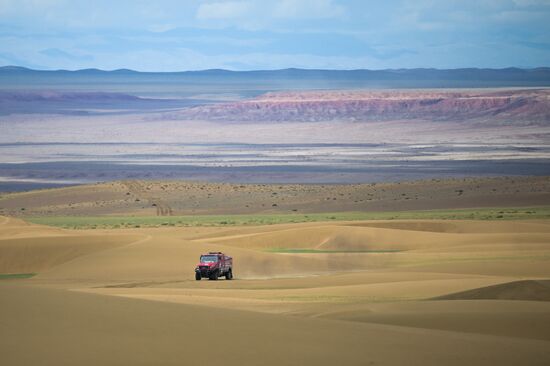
(309, 78)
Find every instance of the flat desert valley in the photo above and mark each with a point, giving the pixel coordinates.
(330, 136)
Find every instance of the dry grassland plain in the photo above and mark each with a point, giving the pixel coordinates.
(379, 291)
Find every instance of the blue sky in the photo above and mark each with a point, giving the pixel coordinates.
(170, 35)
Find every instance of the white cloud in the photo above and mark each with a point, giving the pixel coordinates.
(320, 9)
(16, 6)
(532, 2)
(260, 14)
(160, 28)
(223, 10)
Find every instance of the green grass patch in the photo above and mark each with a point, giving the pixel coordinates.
(16, 276)
(113, 222)
(320, 251)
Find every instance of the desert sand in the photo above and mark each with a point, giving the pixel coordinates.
(428, 293)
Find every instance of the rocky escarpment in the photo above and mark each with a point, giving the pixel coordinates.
(529, 106)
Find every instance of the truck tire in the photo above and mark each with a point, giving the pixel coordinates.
(214, 276)
(229, 275)
(197, 276)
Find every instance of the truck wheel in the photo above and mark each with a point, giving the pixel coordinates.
(214, 276)
(229, 275)
(197, 276)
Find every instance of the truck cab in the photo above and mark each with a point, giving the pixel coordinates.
(213, 265)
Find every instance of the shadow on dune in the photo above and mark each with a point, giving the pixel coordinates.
(526, 290)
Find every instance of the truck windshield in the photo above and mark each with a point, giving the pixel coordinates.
(209, 258)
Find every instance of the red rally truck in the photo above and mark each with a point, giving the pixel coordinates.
(214, 265)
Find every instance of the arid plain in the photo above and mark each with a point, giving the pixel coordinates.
(390, 292)
(367, 227)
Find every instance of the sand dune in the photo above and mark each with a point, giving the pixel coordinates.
(16, 228)
(70, 328)
(520, 319)
(461, 226)
(517, 290)
(42, 253)
(128, 296)
(26, 248)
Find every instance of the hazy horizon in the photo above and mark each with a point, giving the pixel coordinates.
(266, 35)
(279, 69)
